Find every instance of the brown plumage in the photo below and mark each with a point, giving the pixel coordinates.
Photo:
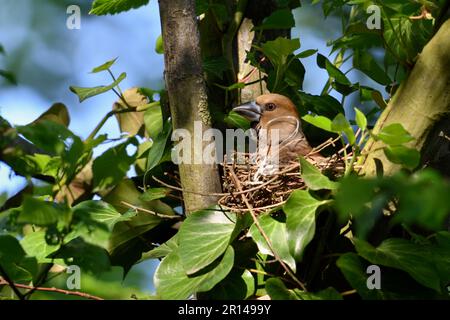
(277, 112)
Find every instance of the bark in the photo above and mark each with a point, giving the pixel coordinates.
(187, 95)
(422, 106)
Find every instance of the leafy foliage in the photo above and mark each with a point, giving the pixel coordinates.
(316, 246)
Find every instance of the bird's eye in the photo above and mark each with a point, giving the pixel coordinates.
(270, 106)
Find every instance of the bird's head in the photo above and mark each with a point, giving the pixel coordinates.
(268, 107)
(273, 112)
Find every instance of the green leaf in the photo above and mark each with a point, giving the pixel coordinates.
(354, 271)
(237, 121)
(313, 178)
(36, 246)
(85, 93)
(156, 151)
(340, 124)
(278, 291)
(353, 193)
(39, 212)
(319, 121)
(280, 19)
(326, 294)
(364, 62)
(159, 45)
(13, 259)
(238, 285)
(361, 119)
(87, 256)
(8, 75)
(104, 66)
(332, 70)
(109, 168)
(431, 209)
(57, 113)
(172, 282)
(300, 210)
(408, 157)
(216, 66)
(163, 250)
(278, 50)
(101, 212)
(47, 135)
(321, 105)
(394, 134)
(277, 233)
(404, 255)
(103, 7)
(306, 53)
(153, 120)
(203, 237)
(155, 193)
(10, 249)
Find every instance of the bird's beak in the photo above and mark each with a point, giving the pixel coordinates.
(251, 110)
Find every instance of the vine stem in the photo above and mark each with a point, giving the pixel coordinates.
(264, 235)
(106, 117)
(67, 292)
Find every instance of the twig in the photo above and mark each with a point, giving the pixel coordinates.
(164, 216)
(67, 292)
(264, 235)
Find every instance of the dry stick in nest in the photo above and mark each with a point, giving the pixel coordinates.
(266, 238)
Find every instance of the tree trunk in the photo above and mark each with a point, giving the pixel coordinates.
(422, 106)
(187, 96)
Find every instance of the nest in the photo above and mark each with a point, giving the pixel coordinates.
(268, 191)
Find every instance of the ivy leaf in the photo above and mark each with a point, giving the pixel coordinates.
(237, 121)
(203, 237)
(216, 66)
(408, 157)
(112, 165)
(159, 45)
(57, 113)
(85, 93)
(156, 151)
(104, 7)
(341, 124)
(105, 66)
(36, 246)
(278, 291)
(89, 257)
(394, 134)
(101, 212)
(314, 179)
(360, 119)
(172, 282)
(300, 210)
(39, 212)
(306, 53)
(155, 193)
(153, 120)
(319, 121)
(280, 19)
(404, 255)
(277, 233)
(18, 266)
(321, 105)
(332, 70)
(364, 62)
(47, 135)
(278, 50)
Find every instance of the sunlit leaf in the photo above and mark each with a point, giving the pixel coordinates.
(85, 93)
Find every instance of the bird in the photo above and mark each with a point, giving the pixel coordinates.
(279, 132)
